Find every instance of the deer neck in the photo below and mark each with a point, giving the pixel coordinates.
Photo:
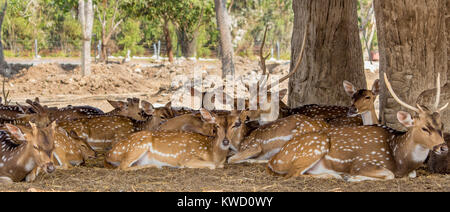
(370, 117)
(408, 155)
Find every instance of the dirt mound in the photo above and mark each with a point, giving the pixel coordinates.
(151, 81)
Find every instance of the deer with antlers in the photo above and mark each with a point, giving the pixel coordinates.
(172, 148)
(365, 152)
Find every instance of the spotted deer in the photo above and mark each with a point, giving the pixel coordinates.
(70, 150)
(361, 112)
(101, 131)
(25, 151)
(132, 109)
(265, 141)
(365, 152)
(172, 148)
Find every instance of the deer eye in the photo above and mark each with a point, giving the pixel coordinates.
(426, 130)
(367, 97)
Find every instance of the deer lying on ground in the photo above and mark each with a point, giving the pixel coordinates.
(70, 150)
(365, 152)
(363, 103)
(265, 141)
(172, 148)
(101, 131)
(23, 160)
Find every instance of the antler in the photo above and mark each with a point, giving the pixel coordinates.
(261, 56)
(297, 65)
(388, 85)
(438, 95)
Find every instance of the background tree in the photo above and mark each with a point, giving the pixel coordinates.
(413, 50)
(226, 46)
(3, 64)
(109, 18)
(188, 23)
(332, 53)
(86, 16)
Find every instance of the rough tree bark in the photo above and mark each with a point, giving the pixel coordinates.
(3, 64)
(413, 50)
(333, 52)
(226, 46)
(86, 15)
(428, 96)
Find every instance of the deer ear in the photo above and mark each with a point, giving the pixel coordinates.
(33, 127)
(349, 88)
(116, 104)
(376, 87)
(405, 118)
(147, 107)
(207, 116)
(282, 93)
(73, 134)
(168, 105)
(15, 131)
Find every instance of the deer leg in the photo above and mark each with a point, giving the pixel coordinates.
(130, 159)
(244, 155)
(32, 175)
(5, 180)
(198, 163)
(369, 172)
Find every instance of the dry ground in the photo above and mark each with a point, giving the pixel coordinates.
(241, 177)
(58, 85)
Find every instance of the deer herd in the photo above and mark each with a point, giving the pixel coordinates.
(323, 141)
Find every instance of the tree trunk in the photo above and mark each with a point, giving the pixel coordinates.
(188, 42)
(87, 21)
(168, 40)
(332, 54)
(413, 50)
(3, 64)
(226, 46)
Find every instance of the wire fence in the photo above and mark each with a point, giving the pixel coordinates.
(71, 48)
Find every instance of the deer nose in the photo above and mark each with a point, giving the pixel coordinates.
(352, 111)
(50, 168)
(225, 142)
(441, 149)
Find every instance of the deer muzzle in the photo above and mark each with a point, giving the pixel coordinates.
(49, 168)
(441, 149)
(352, 112)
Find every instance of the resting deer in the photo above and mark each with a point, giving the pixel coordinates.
(365, 152)
(265, 141)
(172, 148)
(70, 150)
(22, 160)
(102, 131)
(363, 103)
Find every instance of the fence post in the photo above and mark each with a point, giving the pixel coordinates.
(278, 50)
(159, 48)
(155, 51)
(36, 56)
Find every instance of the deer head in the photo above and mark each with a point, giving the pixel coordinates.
(157, 116)
(40, 142)
(363, 101)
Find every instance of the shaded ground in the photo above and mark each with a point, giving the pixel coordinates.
(241, 177)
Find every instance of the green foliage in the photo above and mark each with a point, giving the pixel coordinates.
(130, 37)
